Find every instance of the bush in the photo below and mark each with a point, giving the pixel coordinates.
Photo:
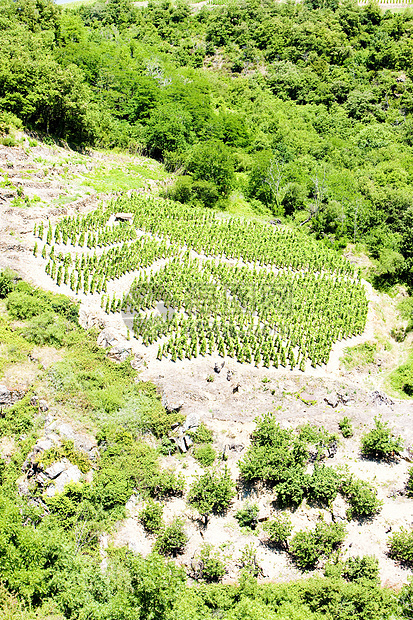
(24, 306)
(307, 548)
(212, 493)
(151, 517)
(401, 546)
(210, 567)
(172, 539)
(247, 516)
(66, 451)
(323, 485)
(279, 530)
(7, 282)
(361, 567)
(291, 491)
(205, 454)
(47, 329)
(380, 443)
(274, 453)
(346, 427)
(362, 498)
(202, 434)
(166, 484)
(409, 485)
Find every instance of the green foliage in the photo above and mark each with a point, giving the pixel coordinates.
(66, 451)
(202, 434)
(401, 546)
(360, 355)
(247, 516)
(212, 492)
(307, 548)
(362, 499)
(172, 539)
(279, 530)
(47, 329)
(7, 282)
(205, 454)
(323, 485)
(361, 567)
(402, 378)
(211, 568)
(380, 442)
(20, 418)
(151, 517)
(346, 427)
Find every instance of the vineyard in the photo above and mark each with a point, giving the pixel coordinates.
(253, 291)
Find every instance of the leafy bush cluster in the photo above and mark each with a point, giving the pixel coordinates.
(307, 548)
(212, 492)
(380, 442)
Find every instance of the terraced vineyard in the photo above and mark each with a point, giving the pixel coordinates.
(256, 292)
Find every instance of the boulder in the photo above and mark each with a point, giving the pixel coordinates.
(108, 338)
(236, 447)
(120, 352)
(55, 469)
(171, 402)
(91, 317)
(180, 443)
(43, 406)
(379, 398)
(339, 509)
(218, 367)
(191, 423)
(71, 474)
(332, 400)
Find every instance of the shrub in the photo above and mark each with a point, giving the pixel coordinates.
(323, 485)
(307, 548)
(24, 306)
(279, 530)
(362, 498)
(19, 418)
(291, 491)
(401, 546)
(205, 454)
(66, 451)
(346, 427)
(7, 282)
(202, 434)
(210, 567)
(166, 484)
(248, 560)
(212, 493)
(380, 443)
(47, 329)
(172, 539)
(151, 517)
(273, 452)
(361, 567)
(247, 516)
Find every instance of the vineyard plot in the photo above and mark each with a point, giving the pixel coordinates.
(245, 289)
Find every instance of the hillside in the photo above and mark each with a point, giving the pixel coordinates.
(206, 324)
(72, 399)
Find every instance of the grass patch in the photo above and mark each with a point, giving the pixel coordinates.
(359, 356)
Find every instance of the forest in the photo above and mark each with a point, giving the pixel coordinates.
(301, 111)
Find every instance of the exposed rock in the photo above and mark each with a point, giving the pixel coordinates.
(229, 375)
(332, 449)
(236, 447)
(332, 400)
(379, 398)
(56, 469)
(120, 352)
(108, 338)
(71, 474)
(137, 361)
(43, 406)
(181, 444)
(23, 486)
(339, 509)
(192, 422)
(218, 367)
(407, 454)
(9, 397)
(91, 317)
(81, 441)
(171, 402)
